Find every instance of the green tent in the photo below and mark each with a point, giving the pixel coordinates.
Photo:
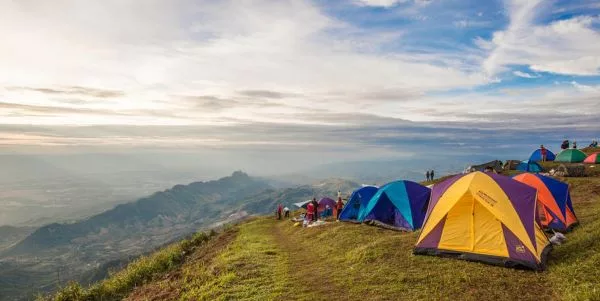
(571, 155)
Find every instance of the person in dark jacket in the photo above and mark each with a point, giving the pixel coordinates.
(316, 205)
(427, 175)
(432, 174)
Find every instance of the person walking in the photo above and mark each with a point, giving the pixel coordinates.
(427, 175)
(544, 152)
(432, 173)
(316, 206)
(339, 206)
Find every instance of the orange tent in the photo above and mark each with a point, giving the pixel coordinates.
(555, 207)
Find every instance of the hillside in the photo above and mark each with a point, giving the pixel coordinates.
(10, 235)
(86, 250)
(265, 259)
(268, 200)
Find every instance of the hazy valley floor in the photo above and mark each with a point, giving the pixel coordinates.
(265, 259)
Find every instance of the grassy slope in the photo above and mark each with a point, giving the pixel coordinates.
(272, 260)
(266, 259)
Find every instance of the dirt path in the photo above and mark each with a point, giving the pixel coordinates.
(309, 270)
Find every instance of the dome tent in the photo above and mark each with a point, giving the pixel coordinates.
(555, 208)
(359, 199)
(484, 217)
(324, 202)
(530, 166)
(399, 205)
(593, 158)
(571, 155)
(537, 155)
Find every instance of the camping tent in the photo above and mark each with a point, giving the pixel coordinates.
(571, 155)
(554, 201)
(537, 155)
(302, 204)
(358, 200)
(530, 166)
(593, 158)
(399, 205)
(324, 202)
(484, 217)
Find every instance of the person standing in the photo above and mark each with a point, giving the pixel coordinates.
(279, 211)
(427, 175)
(544, 152)
(310, 212)
(316, 206)
(432, 174)
(574, 144)
(339, 206)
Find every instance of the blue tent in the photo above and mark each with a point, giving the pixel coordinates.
(537, 155)
(399, 205)
(358, 200)
(530, 166)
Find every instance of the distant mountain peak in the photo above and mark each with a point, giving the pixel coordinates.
(239, 174)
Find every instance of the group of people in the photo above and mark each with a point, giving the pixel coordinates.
(565, 144)
(430, 175)
(312, 209)
(282, 212)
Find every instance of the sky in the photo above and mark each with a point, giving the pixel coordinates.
(325, 80)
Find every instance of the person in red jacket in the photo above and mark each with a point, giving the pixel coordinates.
(279, 211)
(339, 206)
(310, 211)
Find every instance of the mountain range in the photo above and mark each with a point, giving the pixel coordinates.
(84, 250)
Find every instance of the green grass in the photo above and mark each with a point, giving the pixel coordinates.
(265, 259)
(142, 270)
(251, 268)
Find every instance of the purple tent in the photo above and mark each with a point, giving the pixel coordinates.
(324, 202)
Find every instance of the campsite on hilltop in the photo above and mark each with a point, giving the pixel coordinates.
(264, 258)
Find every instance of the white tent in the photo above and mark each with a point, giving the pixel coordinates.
(302, 204)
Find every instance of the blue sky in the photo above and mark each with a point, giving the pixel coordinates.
(349, 80)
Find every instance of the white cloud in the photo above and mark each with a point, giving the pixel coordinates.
(380, 3)
(525, 74)
(569, 46)
(391, 3)
(201, 48)
(465, 23)
(585, 88)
